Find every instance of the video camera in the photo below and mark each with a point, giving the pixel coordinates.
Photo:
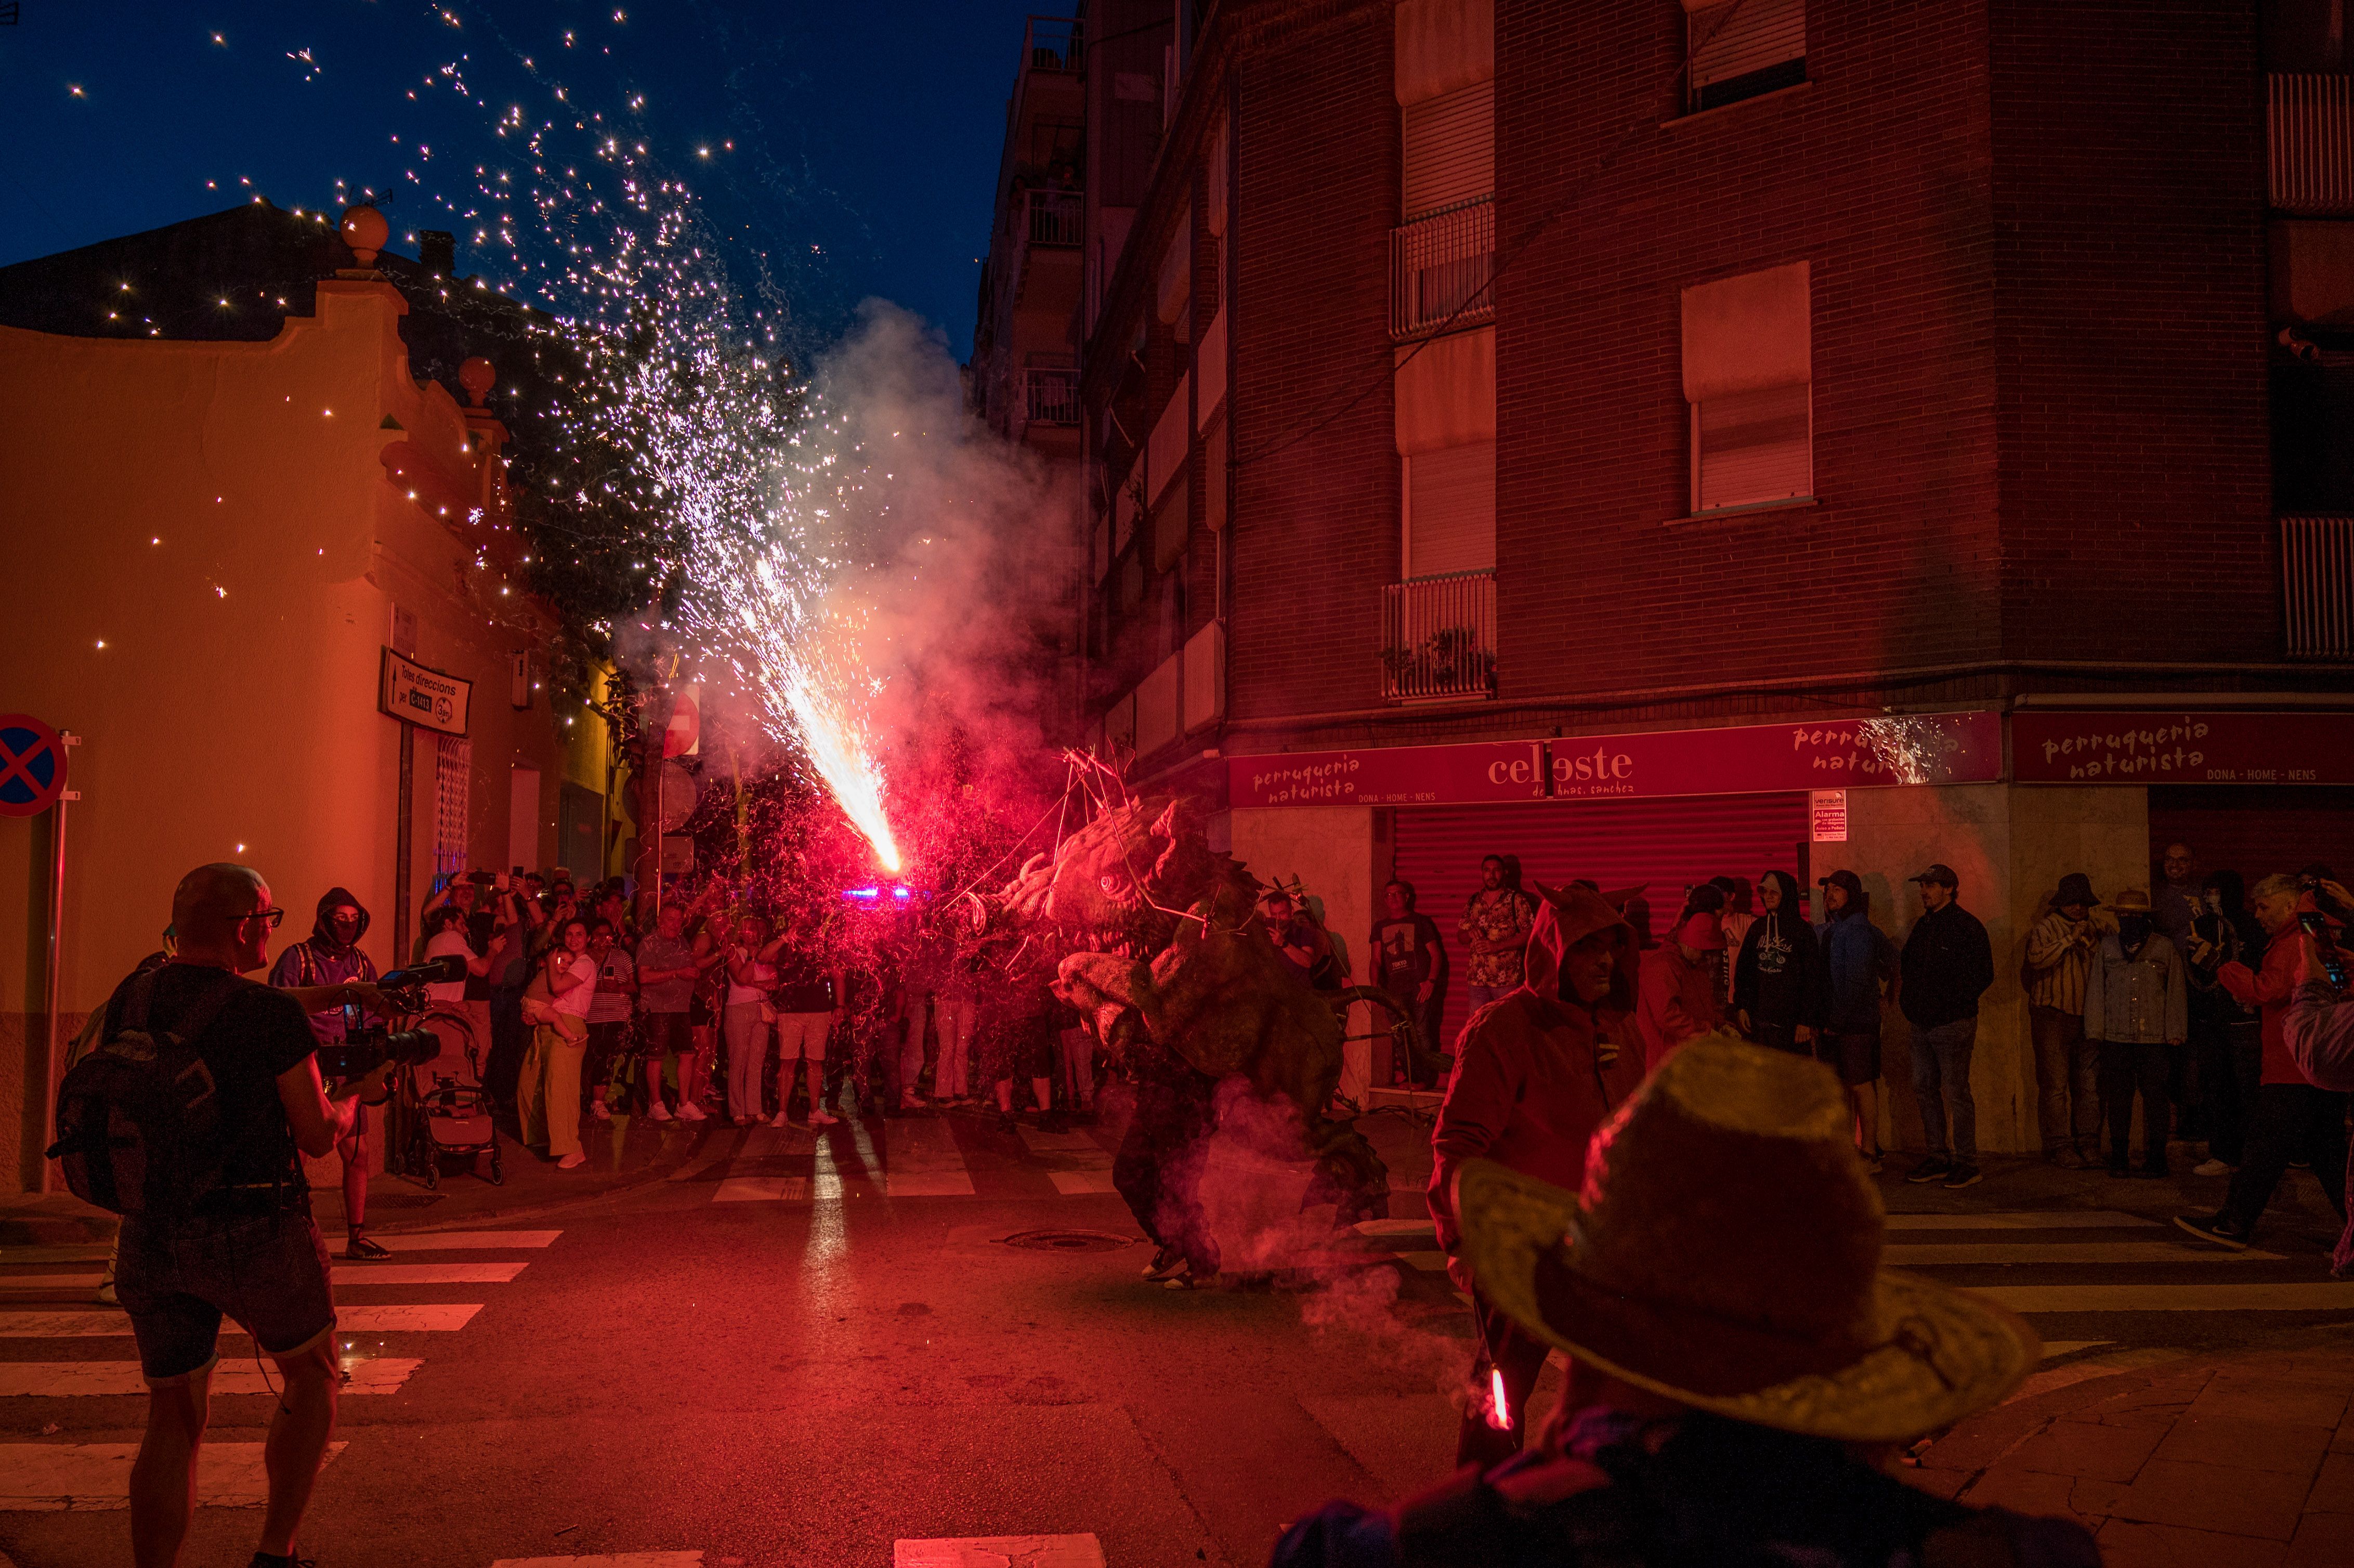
(363, 1049)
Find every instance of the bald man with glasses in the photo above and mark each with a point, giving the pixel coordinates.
(247, 1250)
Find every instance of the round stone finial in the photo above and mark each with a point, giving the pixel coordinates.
(478, 376)
(365, 231)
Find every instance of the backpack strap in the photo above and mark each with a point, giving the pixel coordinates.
(137, 1006)
(205, 1009)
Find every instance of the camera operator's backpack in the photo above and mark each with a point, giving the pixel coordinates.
(136, 1117)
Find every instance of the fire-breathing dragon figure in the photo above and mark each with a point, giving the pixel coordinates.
(1175, 957)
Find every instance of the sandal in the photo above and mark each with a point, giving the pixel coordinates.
(358, 1248)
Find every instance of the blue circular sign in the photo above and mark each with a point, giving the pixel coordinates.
(32, 766)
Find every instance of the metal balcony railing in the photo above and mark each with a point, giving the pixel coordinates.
(1055, 218)
(1438, 638)
(1050, 396)
(2318, 585)
(2310, 125)
(1441, 266)
(1053, 43)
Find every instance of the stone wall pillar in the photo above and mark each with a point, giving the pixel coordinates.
(1342, 854)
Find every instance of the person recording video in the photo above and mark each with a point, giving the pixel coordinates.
(244, 1245)
(331, 957)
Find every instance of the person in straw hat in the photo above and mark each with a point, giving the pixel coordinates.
(1740, 1362)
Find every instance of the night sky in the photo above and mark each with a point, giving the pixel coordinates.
(865, 135)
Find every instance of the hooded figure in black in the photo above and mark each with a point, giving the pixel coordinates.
(332, 956)
(1778, 990)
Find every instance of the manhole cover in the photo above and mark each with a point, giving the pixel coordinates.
(1068, 1241)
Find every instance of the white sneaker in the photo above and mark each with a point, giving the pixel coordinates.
(658, 1112)
(2212, 1168)
(825, 1118)
(572, 1162)
(780, 1121)
(601, 1111)
(689, 1111)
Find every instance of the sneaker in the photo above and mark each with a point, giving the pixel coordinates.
(2300, 1164)
(689, 1111)
(2218, 1228)
(2064, 1157)
(572, 1162)
(1165, 1262)
(1962, 1176)
(1053, 1121)
(825, 1118)
(359, 1249)
(1189, 1280)
(2212, 1168)
(746, 1120)
(1007, 1121)
(913, 1102)
(601, 1111)
(1874, 1161)
(1936, 1167)
(658, 1112)
(780, 1121)
(104, 1294)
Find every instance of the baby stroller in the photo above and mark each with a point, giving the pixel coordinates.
(445, 1106)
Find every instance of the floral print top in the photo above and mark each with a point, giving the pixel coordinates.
(1506, 919)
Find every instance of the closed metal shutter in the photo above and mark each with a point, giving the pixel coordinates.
(2255, 830)
(1666, 845)
(1451, 511)
(1749, 447)
(1745, 49)
(1450, 148)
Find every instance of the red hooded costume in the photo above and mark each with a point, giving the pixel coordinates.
(1537, 1074)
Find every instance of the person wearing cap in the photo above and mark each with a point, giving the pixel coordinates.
(1859, 961)
(1946, 967)
(1678, 992)
(2059, 949)
(2292, 1113)
(2137, 1008)
(1536, 1072)
(1741, 1413)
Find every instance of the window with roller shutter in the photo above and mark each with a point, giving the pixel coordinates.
(1743, 49)
(1748, 377)
(1450, 511)
(1750, 447)
(1450, 148)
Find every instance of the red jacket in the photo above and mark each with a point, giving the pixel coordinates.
(2269, 988)
(1679, 1002)
(1536, 1077)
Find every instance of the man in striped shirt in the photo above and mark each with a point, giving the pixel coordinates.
(2067, 1069)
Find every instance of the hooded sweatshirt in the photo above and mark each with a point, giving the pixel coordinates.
(1778, 977)
(1678, 1001)
(1536, 1074)
(321, 960)
(1856, 958)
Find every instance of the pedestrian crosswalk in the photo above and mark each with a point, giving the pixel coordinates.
(2108, 1262)
(48, 1331)
(911, 1157)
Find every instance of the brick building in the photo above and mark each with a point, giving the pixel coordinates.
(1656, 441)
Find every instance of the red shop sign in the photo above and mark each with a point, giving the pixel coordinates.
(1853, 754)
(2182, 748)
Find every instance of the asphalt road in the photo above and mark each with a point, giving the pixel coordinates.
(804, 1349)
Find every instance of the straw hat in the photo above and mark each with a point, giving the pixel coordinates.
(1726, 1254)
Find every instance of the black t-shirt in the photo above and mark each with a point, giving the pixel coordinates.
(478, 936)
(1407, 949)
(802, 985)
(256, 1034)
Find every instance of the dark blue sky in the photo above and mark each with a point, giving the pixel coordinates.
(865, 133)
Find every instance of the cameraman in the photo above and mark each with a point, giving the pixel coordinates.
(331, 957)
(2319, 1025)
(250, 1250)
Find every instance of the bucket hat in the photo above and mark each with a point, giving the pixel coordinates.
(1726, 1254)
(2075, 888)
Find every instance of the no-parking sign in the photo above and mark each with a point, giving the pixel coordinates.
(32, 766)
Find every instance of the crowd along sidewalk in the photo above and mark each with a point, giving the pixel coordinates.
(2238, 1460)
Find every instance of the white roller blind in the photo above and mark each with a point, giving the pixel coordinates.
(1450, 148)
(1750, 447)
(1730, 41)
(1451, 511)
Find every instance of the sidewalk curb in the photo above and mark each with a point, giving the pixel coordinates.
(659, 1171)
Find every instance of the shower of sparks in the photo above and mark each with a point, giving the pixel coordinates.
(1914, 751)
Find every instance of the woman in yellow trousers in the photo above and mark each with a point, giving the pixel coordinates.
(547, 1098)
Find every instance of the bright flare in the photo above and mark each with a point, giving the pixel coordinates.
(1499, 1407)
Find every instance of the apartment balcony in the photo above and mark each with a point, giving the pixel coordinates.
(1056, 218)
(2318, 585)
(1438, 638)
(1441, 266)
(1050, 396)
(1055, 44)
(2310, 132)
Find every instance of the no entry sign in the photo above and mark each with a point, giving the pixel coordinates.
(32, 766)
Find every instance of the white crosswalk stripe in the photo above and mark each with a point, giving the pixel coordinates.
(919, 1157)
(1077, 1163)
(923, 1162)
(999, 1551)
(65, 1476)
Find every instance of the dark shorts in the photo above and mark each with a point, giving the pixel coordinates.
(1854, 1057)
(664, 1034)
(266, 1273)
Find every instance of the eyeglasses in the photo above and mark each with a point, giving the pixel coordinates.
(274, 918)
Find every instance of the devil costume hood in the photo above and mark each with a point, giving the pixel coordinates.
(1536, 1074)
(322, 927)
(320, 959)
